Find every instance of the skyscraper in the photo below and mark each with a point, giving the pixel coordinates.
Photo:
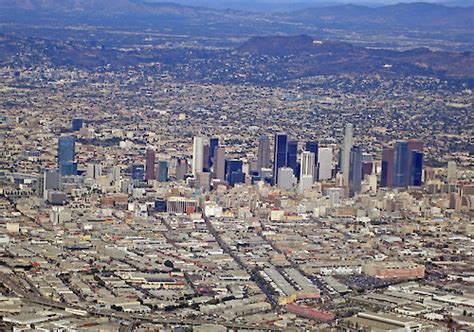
(263, 160)
(307, 164)
(181, 168)
(138, 172)
(388, 167)
(279, 153)
(219, 164)
(162, 171)
(233, 171)
(401, 164)
(325, 163)
(150, 165)
(346, 152)
(292, 156)
(413, 145)
(66, 155)
(452, 172)
(416, 171)
(355, 170)
(206, 157)
(313, 146)
(213, 144)
(198, 155)
(285, 178)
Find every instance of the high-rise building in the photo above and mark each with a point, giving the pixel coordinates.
(213, 144)
(285, 178)
(263, 160)
(206, 157)
(313, 146)
(203, 181)
(50, 180)
(307, 164)
(233, 166)
(198, 155)
(138, 172)
(94, 170)
(219, 164)
(452, 172)
(401, 165)
(66, 155)
(292, 156)
(279, 153)
(325, 164)
(150, 165)
(355, 170)
(346, 152)
(413, 145)
(181, 169)
(162, 171)
(388, 167)
(77, 124)
(306, 182)
(416, 171)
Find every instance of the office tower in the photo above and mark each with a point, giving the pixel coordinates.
(219, 164)
(77, 124)
(335, 196)
(313, 146)
(198, 155)
(263, 160)
(306, 182)
(94, 170)
(413, 145)
(279, 153)
(138, 172)
(355, 170)
(162, 171)
(401, 165)
(206, 166)
(203, 181)
(325, 163)
(292, 156)
(388, 167)
(232, 166)
(150, 165)
(452, 172)
(181, 169)
(346, 152)
(66, 155)
(285, 178)
(213, 144)
(416, 171)
(49, 180)
(236, 177)
(307, 164)
(116, 173)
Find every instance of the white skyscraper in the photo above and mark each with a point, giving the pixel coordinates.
(198, 155)
(306, 182)
(285, 178)
(325, 163)
(346, 152)
(307, 164)
(452, 172)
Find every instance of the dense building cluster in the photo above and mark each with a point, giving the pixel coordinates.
(141, 203)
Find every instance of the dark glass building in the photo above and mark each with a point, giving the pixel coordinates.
(77, 124)
(213, 144)
(163, 171)
(291, 156)
(416, 168)
(138, 172)
(401, 165)
(355, 169)
(233, 171)
(279, 154)
(66, 155)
